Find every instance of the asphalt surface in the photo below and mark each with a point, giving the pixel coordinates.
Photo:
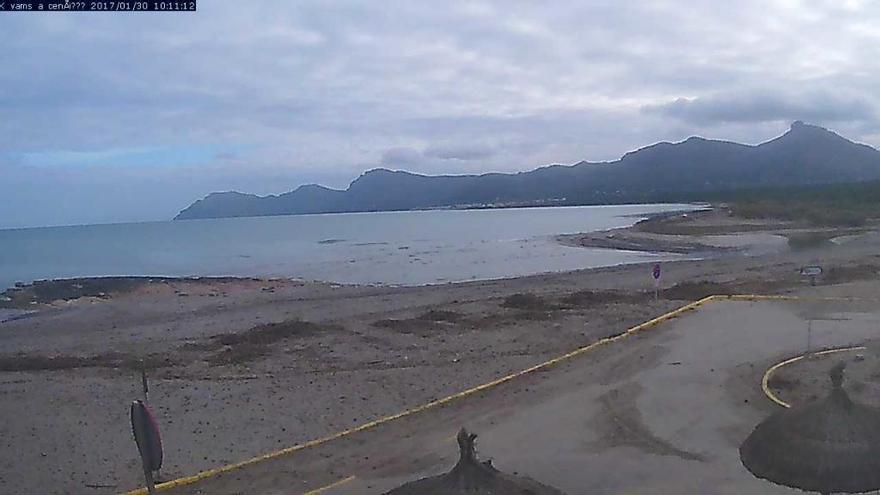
(663, 411)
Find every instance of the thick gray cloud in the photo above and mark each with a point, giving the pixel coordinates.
(460, 151)
(747, 107)
(110, 117)
(401, 157)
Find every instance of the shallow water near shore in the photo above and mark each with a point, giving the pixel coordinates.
(406, 248)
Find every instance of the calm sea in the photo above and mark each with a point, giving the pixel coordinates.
(418, 247)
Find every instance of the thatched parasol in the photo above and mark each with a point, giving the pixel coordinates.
(828, 446)
(472, 477)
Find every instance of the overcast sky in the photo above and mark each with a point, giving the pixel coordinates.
(130, 117)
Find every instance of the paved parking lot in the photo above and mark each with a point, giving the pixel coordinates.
(662, 411)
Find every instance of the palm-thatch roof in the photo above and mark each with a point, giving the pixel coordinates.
(472, 477)
(828, 446)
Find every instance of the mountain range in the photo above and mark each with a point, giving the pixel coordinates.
(806, 154)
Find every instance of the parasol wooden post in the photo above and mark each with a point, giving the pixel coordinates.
(148, 473)
(148, 477)
(144, 381)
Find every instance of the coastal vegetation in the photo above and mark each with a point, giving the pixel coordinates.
(835, 205)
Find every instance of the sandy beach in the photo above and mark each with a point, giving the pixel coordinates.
(239, 367)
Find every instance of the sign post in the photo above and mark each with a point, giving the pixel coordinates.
(656, 274)
(812, 271)
(810, 337)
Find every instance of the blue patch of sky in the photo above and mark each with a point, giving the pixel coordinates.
(160, 156)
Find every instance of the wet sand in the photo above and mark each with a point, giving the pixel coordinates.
(808, 379)
(711, 233)
(241, 367)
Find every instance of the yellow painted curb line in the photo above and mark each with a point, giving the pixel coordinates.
(330, 486)
(189, 480)
(765, 381)
(759, 297)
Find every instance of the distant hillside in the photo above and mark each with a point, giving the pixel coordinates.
(804, 155)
